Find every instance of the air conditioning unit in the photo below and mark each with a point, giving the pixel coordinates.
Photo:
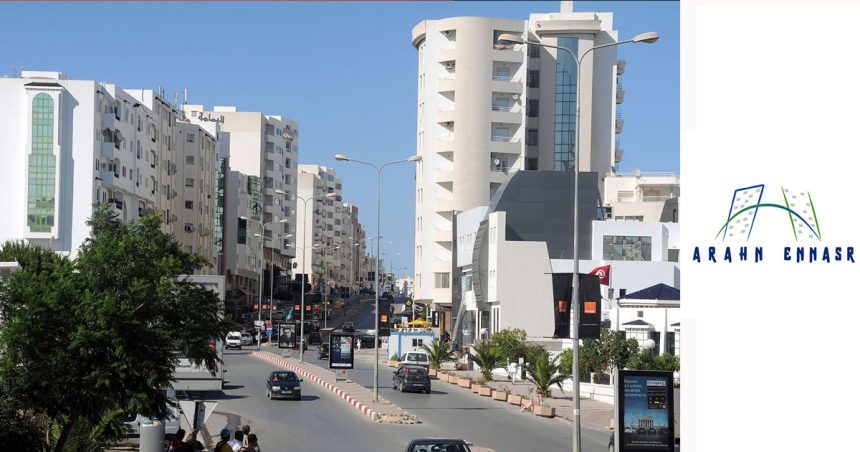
(449, 65)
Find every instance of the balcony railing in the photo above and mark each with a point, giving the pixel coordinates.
(506, 108)
(502, 138)
(503, 77)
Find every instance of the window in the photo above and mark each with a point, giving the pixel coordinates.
(673, 255)
(531, 163)
(532, 108)
(640, 314)
(417, 342)
(189, 182)
(189, 160)
(41, 203)
(502, 104)
(626, 248)
(189, 138)
(531, 137)
(443, 280)
(189, 204)
(670, 343)
(502, 73)
(189, 227)
(565, 107)
(534, 51)
(533, 78)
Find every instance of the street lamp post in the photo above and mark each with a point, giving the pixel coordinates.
(262, 236)
(507, 38)
(343, 158)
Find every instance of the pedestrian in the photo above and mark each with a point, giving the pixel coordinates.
(358, 344)
(252, 444)
(223, 445)
(246, 429)
(178, 445)
(193, 443)
(236, 442)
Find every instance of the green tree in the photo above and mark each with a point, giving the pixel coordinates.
(667, 362)
(510, 342)
(98, 335)
(438, 352)
(643, 360)
(616, 350)
(545, 373)
(489, 358)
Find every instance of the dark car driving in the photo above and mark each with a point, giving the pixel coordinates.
(348, 327)
(322, 351)
(438, 444)
(409, 377)
(284, 384)
(314, 338)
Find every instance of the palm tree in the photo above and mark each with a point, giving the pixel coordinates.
(438, 352)
(544, 373)
(489, 358)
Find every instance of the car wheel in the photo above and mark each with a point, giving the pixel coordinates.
(427, 391)
(402, 387)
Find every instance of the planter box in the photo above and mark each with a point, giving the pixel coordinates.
(514, 399)
(485, 391)
(393, 363)
(432, 373)
(475, 388)
(464, 383)
(500, 395)
(545, 411)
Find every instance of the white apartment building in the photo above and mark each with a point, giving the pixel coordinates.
(68, 144)
(334, 239)
(242, 250)
(264, 148)
(642, 196)
(487, 110)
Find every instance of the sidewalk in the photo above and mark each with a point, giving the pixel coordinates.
(593, 414)
(356, 395)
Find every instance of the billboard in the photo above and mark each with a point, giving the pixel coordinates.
(645, 411)
(341, 351)
(287, 335)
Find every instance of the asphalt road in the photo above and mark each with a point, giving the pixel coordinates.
(322, 422)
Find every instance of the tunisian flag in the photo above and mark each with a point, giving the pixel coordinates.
(602, 273)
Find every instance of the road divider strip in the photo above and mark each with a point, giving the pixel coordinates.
(362, 408)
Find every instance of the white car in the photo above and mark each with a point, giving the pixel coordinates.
(234, 340)
(247, 339)
(419, 358)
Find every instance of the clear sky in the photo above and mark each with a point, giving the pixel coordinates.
(347, 72)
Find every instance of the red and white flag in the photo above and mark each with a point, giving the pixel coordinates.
(602, 273)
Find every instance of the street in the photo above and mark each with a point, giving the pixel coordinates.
(322, 421)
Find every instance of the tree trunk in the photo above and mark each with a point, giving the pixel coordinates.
(64, 433)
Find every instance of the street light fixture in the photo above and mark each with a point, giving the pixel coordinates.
(507, 39)
(344, 158)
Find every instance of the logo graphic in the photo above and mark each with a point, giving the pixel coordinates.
(747, 202)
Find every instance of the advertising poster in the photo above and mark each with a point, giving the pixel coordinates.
(340, 355)
(646, 411)
(287, 335)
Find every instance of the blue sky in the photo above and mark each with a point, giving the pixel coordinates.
(345, 71)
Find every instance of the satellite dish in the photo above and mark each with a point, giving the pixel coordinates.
(515, 96)
(637, 172)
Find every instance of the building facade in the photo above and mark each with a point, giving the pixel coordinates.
(69, 144)
(486, 111)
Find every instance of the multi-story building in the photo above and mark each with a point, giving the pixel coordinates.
(642, 196)
(69, 144)
(264, 149)
(487, 110)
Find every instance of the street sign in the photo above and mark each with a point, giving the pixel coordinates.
(341, 354)
(269, 325)
(269, 332)
(437, 319)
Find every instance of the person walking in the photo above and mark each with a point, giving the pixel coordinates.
(246, 429)
(178, 444)
(236, 443)
(223, 446)
(252, 445)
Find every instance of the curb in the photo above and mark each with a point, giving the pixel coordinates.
(362, 408)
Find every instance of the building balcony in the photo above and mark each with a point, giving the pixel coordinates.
(444, 176)
(506, 117)
(512, 86)
(446, 55)
(505, 145)
(499, 177)
(509, 55)
(619, 96)
(619, 125)
(443, 116)
(445, 144)
(108, 150)
(445, 84)
(442, 235)
(444, 205)
(106, 177)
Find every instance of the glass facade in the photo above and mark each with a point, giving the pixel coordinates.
(256, 210)
(565, 106)
(220, 180)
(626, 248)
(42, 170)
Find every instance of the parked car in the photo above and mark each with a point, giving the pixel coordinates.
(247, 339)
(348, 327)
(409, 377)
(652, 431)
(417, 358)
(283, 384)
(367, 340)
(322, 351)
(315, 338)
(434, 444)
(641, 431)
(234, 340)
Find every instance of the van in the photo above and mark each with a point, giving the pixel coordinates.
(234, 340)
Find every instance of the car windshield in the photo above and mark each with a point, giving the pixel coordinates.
(420, 357)
(442, 447)
(284, 377)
